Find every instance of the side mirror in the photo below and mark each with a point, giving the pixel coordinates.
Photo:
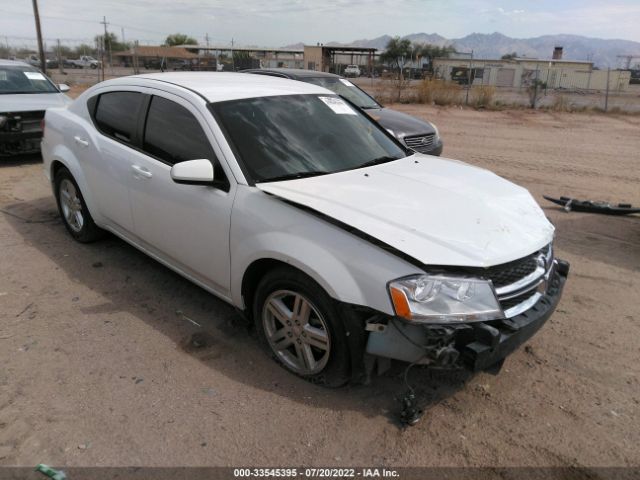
(193, 172)
(64, 87)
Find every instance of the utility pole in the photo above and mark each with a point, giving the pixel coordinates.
(59, 58)
(466, 100)
(36, 15)
(104, 45)
(606, 96)
(233, 60)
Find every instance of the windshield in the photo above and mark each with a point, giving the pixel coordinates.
(346, 89)
(24, 79)
(293, 136)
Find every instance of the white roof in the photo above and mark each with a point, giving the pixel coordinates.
(14, 63)
(222, 86)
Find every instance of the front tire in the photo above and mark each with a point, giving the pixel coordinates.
(73, 209)
(301, 327)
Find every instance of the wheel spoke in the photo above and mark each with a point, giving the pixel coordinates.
(309, 360)
(301, 310)
(279, 310)
(316, 337)
(281, 339)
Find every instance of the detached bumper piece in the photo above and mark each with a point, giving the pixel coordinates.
(476, 346)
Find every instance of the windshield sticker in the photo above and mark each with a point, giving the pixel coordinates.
(338, 105)
(3, 75)
(34, 75)
(347, 82)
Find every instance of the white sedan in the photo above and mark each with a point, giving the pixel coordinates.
(294, 206)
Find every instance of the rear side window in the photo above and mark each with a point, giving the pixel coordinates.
(117, 114)
(173, 134)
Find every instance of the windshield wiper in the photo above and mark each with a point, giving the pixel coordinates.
(377, 161)
(294, 176)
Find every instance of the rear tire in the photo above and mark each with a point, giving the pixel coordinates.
(73, 209)
(300, 325)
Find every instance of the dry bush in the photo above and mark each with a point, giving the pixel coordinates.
(483, 96)
(439, 92)
(561, 104)
(396, 90)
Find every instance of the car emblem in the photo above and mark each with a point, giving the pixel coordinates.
(424, 140)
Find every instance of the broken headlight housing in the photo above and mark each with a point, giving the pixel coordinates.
(444, 299)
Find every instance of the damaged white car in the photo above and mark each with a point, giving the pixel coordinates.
(298, 209)
(25, 94)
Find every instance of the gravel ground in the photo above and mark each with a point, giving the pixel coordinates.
(97, 364)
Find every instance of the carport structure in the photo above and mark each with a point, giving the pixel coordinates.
(331, 59)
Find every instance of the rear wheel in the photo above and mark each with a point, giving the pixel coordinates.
(301, 326)
(73, 209)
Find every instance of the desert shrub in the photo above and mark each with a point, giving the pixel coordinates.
(483, 96)
(439, 92)
(561, 104)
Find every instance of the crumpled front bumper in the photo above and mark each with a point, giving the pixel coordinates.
(476, 346)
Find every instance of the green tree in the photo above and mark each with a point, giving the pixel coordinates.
(398, 51)
(180, 39)
(429, 52)
(509, 56)
(112, 43)
(84, 49)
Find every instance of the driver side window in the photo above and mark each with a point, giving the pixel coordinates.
(173, 135)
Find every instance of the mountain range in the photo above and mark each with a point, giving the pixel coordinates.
(603, 52)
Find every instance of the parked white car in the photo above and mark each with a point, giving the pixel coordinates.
(283, 200)
(25, 94)
(352, 71)
(85, 61)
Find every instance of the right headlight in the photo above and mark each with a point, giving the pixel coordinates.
(444, 299)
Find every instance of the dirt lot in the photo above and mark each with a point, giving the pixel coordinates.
(96, 366)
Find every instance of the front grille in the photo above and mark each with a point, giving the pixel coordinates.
(421, 143)
(517, 282)
(508, 273)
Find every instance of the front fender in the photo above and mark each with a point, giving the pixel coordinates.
(349, 268)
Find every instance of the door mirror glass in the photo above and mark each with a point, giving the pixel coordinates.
(64, 87)
(193, 172)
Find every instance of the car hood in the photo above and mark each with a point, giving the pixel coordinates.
(28, 102)
(403, 125)
(438, 211)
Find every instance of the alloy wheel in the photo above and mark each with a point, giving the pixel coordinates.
(296, 332)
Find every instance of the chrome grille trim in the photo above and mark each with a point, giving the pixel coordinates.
(535, 282)
(420, 142)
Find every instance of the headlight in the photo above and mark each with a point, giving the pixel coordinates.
(444, 299)
(437, 131)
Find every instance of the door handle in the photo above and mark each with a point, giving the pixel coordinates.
(141, 171)
(81, 141)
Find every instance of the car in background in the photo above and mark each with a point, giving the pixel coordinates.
(418, 135)
(294, 206)
(85, 61)
(352, 71)
(25, 94)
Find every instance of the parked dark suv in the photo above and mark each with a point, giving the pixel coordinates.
(419, 135)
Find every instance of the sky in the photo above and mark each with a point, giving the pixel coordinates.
(282, 22)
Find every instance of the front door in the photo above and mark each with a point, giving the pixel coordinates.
(187, 225)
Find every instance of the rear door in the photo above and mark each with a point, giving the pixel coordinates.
(107, 156)
(187, 225)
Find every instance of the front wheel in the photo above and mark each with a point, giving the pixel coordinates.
(301, 326)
